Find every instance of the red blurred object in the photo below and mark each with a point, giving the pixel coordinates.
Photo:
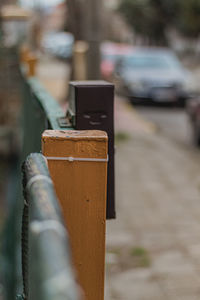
(110, 54)
(193, 110)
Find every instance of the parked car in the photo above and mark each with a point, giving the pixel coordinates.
(153, 74)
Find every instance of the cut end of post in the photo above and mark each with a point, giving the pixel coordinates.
(85, 143)
(75, 134)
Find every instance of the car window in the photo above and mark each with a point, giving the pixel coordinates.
(111, 57)
(151, 62)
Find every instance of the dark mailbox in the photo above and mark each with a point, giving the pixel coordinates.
(91, 107)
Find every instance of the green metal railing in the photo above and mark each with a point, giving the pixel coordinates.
(46, 262)
(41, 112)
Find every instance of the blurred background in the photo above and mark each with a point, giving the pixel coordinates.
(150, 50)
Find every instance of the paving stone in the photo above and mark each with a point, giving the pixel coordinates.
(119, 239)
(183, 296)
(173, 262)
(181, 282)
(136, 285)
(194, 250)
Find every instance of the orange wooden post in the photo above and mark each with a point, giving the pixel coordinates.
(29, 59)
(31, 64)
(77, 162)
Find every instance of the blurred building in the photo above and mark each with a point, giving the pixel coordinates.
(14, 24)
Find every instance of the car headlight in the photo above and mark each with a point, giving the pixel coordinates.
(135, 85)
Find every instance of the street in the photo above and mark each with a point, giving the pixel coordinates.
(153, 247)
(173, 122)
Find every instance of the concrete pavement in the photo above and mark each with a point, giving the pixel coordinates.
(153, 248)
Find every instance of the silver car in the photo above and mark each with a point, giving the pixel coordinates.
(153, 74)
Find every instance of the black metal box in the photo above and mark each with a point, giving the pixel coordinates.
(91, 108)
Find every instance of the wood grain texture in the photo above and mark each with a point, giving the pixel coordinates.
(81, 189)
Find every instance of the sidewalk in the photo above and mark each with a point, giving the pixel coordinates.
(54, 75)
(153, 247)
(128, 120)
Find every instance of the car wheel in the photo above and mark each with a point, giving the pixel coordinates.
(182, 102)
(134, 100)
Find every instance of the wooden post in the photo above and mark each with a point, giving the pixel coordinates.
(31, 64)
(29, 59)
(80, 60)
(81, 188)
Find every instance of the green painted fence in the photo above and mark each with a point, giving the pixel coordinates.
(46, 261)
(40, 112)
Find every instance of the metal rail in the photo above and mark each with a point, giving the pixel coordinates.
(46, 260)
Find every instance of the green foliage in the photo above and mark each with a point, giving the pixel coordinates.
(121, 136)
(148, 17)
(151, 18)
(189, 20)
(141, 257)
(138, 251)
